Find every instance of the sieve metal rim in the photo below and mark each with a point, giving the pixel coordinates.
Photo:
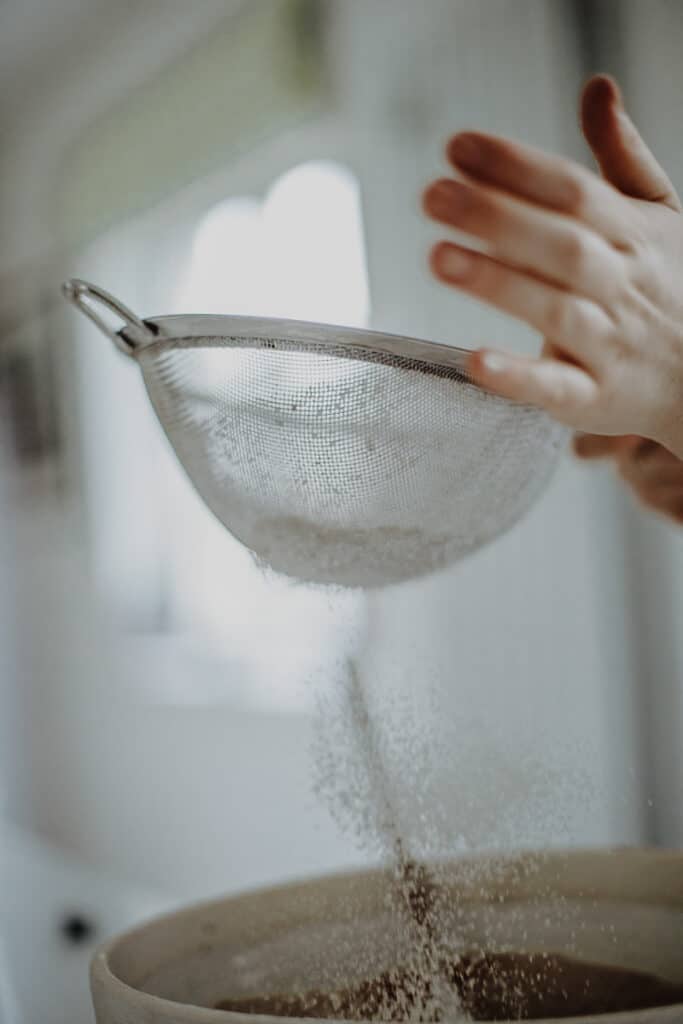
(269, 335)
(206, 330)
(201, 330)
(138, 336)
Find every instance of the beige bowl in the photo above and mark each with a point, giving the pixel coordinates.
(623, 907)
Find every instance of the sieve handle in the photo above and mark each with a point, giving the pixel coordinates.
(85, 297)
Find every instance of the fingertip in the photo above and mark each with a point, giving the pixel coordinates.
(487, 368)
(600, 104)
(602, 89)
(436, 257)
(475, 366)
(464, 150)
(437, 196)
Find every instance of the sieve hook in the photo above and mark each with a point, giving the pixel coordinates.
(85, 297)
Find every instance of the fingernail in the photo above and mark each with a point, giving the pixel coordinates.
(465, 150)
(493, 362)
(455, 263)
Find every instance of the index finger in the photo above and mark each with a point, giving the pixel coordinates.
(550, 181)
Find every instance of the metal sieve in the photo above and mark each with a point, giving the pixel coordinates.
(336, 455)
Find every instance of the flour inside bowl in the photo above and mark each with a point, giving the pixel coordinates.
(361, 971)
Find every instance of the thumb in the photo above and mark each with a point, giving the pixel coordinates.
(624, 158)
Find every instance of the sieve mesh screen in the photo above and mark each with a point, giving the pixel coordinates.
(344, 465)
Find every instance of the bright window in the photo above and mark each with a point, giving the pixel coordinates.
(297, 252)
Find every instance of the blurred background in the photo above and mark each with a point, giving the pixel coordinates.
(156, 691)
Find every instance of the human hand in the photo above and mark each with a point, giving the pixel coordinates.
(595, 265)
(652, 472)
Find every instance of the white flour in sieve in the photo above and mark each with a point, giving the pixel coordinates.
(346, 472)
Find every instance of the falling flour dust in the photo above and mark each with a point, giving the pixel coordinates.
(414, 786)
